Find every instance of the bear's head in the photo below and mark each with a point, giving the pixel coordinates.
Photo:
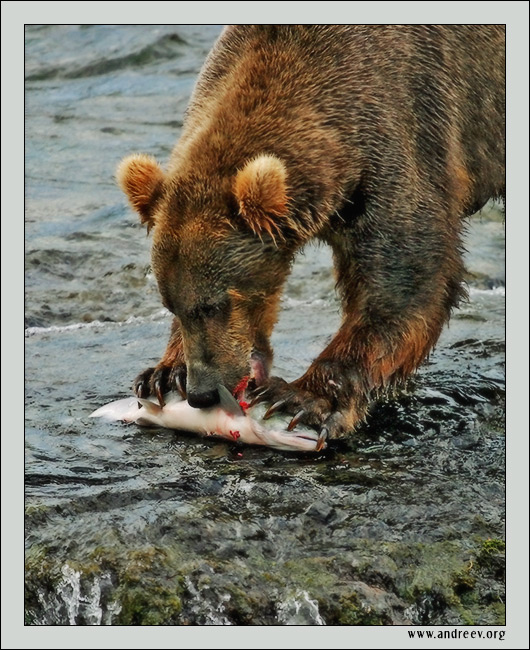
(221, 251)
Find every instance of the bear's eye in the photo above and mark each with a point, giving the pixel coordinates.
(206, 310)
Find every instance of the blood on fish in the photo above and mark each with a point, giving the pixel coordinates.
(235, 434)
(244, 405)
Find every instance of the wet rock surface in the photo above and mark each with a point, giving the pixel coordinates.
(403, 523)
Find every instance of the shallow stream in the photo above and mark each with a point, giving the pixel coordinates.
(401, 524)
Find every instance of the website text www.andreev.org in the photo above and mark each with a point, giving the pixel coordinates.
(457, 634)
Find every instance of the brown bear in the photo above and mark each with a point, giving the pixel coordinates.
(378, 140)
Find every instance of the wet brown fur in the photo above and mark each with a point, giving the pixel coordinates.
(378, 140)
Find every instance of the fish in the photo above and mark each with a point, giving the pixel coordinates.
(227, 420)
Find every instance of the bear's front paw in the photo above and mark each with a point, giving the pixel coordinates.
(306, 407)
(161, 380)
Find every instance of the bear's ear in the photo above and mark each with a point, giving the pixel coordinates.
(141, 178)
(261, 192)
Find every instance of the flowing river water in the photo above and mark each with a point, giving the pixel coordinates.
(403, 523)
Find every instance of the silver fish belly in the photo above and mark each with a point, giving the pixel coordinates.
(235, 426)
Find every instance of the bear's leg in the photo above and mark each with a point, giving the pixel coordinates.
(398, 280)
(168, 374)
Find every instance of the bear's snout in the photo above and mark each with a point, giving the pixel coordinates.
(203, 400)
(201, 385)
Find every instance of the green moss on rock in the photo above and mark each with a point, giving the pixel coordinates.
(353, 612)
(148, 604)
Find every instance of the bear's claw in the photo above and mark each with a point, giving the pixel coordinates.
(306, 408)
(296, 419)
(322, 437)
(160, 380)
(141, 383)
(275, 407)
(158, 391)
(314, 410)
(180, 382)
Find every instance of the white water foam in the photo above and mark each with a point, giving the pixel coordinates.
(159, 315)
(299, 609)
(202, 604)
(113, 609)
(70, 591)
(164, 313)
(93, 611)
(82, 598)
(496, 291)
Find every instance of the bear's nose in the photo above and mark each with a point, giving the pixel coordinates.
(204, 400)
